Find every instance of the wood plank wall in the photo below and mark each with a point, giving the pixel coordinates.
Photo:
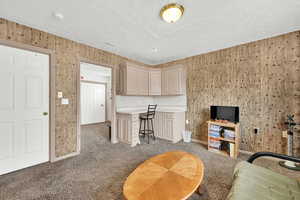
(262, 78)
(68, 54)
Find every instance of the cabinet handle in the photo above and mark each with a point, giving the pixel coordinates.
(45, 113)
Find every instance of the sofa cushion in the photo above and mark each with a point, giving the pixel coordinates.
(254, 182)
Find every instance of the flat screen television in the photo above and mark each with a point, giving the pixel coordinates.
(229, 113)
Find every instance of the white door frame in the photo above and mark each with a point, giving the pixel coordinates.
(52, 89)
(113, 100)
(98, 83)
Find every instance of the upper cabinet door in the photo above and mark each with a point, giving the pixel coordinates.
(143, 81)
(155, 82)
(173, 80)
(132, 80)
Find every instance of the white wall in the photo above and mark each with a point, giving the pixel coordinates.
(96, 73)
(133, 101)
(143, 101)
(91, 75)
(170, 101)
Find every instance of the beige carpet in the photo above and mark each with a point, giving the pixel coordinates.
(101, 169)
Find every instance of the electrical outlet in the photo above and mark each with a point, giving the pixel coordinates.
(256, 131)
(284, 134)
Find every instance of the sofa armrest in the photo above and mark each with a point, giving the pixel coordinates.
(274, 155)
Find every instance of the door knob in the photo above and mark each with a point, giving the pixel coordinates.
(45, 113)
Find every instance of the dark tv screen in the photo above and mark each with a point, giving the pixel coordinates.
(229, 113)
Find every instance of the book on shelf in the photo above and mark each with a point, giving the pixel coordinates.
(214, 143)
(229, 134)
(214, 134)
(215, 128)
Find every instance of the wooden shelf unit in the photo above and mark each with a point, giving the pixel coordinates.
(226, 125)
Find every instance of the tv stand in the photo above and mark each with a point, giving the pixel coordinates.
(231, 143)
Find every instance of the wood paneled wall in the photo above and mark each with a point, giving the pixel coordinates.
(262, 78)
(67, 55)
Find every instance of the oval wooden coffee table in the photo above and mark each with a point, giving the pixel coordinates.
(169, 176)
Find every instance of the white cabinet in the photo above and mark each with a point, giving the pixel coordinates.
(155, 82)
(174, 80)
(143, 81)
(169, 125)
(128, 128)
(133, 80)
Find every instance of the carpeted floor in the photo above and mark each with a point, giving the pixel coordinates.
(101, 169)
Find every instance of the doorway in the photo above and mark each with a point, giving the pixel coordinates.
(93, 102)
(96, 107)
(24, 108)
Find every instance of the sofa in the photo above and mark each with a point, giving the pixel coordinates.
(252, 182)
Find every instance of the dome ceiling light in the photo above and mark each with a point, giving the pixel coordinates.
(171, 12)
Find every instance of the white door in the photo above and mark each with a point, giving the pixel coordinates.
(92, 103)
(24, 107)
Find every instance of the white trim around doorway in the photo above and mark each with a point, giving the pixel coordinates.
(113, 101)
(52, 89)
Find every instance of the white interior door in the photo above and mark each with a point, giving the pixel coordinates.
(24, 107)
(92, 103)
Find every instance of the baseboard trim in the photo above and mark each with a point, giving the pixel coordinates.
(205, 143)
(98, 123)
(199, 141)
(246, 152)
(241, 151)
(65, 156)
(114, 141)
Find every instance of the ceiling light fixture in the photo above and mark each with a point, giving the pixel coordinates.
(172, 12)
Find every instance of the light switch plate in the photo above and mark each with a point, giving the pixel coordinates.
(64, 101)
(59, 95)
(284, 134)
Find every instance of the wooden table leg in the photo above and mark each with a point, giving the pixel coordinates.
(202, 191)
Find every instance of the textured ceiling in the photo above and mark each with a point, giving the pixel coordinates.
(133, 28)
